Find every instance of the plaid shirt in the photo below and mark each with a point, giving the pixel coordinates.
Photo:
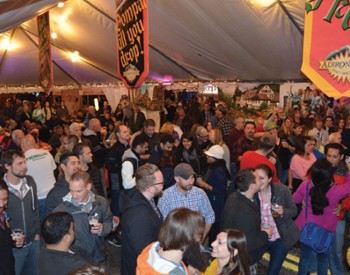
(195, 199)
(225, 125)
(239, 148)
(266, 218)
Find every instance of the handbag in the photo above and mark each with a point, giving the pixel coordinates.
(315, 236)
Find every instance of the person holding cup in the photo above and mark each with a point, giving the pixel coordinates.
(7, 261)
(277, 208)
(23, 208)
(81, 203)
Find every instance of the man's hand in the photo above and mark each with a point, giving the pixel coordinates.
(97, 229)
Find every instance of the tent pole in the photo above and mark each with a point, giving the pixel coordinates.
(291, 18)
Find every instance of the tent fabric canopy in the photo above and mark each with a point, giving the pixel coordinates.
(191, 40)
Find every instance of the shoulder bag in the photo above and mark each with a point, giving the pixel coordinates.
(315, 236)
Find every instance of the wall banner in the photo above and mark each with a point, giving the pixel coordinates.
(326, 53)
(45, 58)
(132, 42)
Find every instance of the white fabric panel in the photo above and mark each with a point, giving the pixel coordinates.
(210, 40)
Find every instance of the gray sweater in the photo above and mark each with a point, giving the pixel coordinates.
(24, 213)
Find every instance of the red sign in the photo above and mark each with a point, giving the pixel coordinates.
(132, 42)
(326, 53)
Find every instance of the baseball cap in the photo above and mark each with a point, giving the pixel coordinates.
(183, 170)
(216, 151)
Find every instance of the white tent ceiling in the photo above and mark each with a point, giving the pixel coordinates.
(192, 40)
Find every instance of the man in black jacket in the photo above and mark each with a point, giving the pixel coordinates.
(141, 217)
(114, 165)
(58, 233)
(241, 212)
(69, 164)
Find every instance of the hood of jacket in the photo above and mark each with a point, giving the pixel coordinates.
(129, 154)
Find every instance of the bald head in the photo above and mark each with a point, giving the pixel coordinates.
(17, 136)
(95, 125)
(28, 142)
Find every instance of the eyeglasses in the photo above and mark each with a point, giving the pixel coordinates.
(162, 183)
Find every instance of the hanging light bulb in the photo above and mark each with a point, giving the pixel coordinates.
(75, 56)
(60, 4)
(5, 44)
(54, 35)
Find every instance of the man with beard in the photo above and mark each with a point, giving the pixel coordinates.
(184, 194)
(243, 144)
(23, 208)
(141, 217)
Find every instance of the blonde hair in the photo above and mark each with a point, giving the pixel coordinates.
(167, 128)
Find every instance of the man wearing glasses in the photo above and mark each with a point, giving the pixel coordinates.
(141, 217)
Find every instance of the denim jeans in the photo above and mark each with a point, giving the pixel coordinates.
(27, 259)
(233, 172)
(336, 256)
(307, 256)
(278, 253)
(115, 193)
(42, 209)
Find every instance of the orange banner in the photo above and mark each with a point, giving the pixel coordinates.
(326, 53)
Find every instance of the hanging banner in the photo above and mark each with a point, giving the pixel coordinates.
(45, 59)
(326, 53)
(132, 42)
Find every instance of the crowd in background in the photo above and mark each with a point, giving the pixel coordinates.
(246, 176)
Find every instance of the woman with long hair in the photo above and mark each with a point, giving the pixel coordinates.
(231, 254)
(181, 230)
(189, 152)
(321, 197)
(215, 137)
(301, 161)
(277, 210)
(215, 184)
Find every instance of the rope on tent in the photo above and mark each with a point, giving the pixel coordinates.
(82, 59)
(54, 62)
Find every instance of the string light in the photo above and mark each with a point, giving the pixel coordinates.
(54, 35)
(60, 4)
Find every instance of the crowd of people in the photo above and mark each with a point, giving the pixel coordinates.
(208, 192)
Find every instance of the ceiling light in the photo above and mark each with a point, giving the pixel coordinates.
(261, 3)
(60, 4)
(75, 56)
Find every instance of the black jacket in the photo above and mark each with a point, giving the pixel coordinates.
(140, 227)
(287, 228)
(242, 214)
(7, 261)
(54, 198)
(55, 262)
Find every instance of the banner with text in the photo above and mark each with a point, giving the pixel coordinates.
(45, 58)
(326, 53)
(132, 42)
